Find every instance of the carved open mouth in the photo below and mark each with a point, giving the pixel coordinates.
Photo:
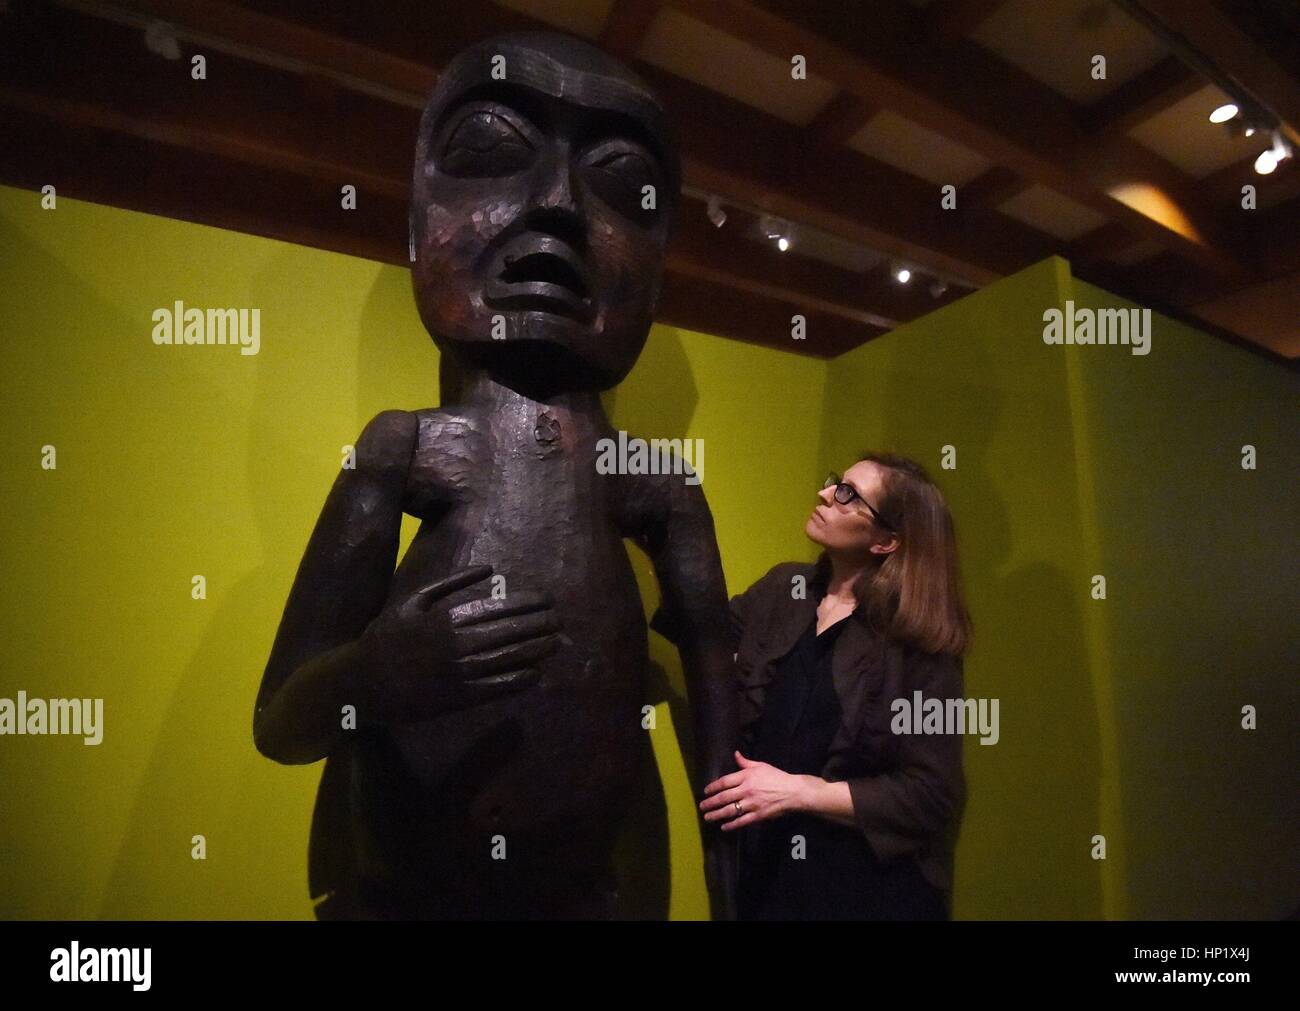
(540, 272)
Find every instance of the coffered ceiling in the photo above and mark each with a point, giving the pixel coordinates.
(1122, 174)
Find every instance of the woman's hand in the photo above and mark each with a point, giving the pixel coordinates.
(763, 790)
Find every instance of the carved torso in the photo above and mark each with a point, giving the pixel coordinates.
(552, 768)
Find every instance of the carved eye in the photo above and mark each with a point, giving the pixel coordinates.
(485, 143)
(619, 175)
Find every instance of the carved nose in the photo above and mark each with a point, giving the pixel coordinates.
(560, 191)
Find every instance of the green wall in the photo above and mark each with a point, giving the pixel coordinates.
(176, 461)
(1200, 617)
(1119, 717)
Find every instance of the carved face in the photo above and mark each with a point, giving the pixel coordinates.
(536, 249)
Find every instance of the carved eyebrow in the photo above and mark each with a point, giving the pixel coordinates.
(518, 97)
(596, 123)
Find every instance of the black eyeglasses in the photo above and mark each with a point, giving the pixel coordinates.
(846, 493)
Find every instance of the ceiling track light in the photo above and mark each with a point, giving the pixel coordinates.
(1247, 124)
(1245, 114)
(777, 230)
(782, 233)
(1273, 156)
(1224, 113)
(160, 39)
(1243, 124)
(716, 214)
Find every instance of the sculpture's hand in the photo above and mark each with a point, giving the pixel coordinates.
(423, 656)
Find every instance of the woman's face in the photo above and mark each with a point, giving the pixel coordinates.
(850, 529)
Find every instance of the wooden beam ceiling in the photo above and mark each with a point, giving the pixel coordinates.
(984, 103)
(626, 26)
(1134, 102)
(993, 187)
(252, 120)
(302, 99)
(256, 116)
(1216, 34)
(715, 254)
(952, 20)
(839, 120)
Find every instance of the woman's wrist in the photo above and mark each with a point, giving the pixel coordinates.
(806, 793)
(830, 800)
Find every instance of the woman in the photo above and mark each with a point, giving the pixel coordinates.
(840, 816)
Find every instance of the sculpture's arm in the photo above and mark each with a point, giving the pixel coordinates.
(342, 584)
(679, 538)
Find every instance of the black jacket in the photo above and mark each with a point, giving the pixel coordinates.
(908, 790)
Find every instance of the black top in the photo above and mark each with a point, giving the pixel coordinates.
(839, 877)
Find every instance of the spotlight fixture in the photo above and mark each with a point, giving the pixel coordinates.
(937, 288)
(160, 39)
(716, 214)
(1274, 156)
(775, 229)
(1244, 125)
(902, 275)
(1245, 114)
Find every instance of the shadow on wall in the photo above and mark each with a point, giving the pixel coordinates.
(659, 408)
(245, 828)
(201, 749)
(1032, 799)
(80, 526)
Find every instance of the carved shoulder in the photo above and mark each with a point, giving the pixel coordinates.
(642, 505)
(386, 443)
(450, 447)
(646, 503)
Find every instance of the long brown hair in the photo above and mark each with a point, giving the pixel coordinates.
(915, 594)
